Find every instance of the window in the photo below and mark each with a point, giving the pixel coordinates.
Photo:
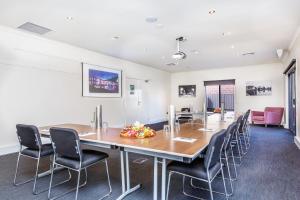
(218, 92)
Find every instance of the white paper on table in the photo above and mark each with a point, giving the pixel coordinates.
(206, 129)
(45, 130)
(183, 139)
(86, 133)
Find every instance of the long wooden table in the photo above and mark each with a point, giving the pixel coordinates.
(162, 147)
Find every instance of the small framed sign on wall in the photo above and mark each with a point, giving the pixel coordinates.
(100, 81)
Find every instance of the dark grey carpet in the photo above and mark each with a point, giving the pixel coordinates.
(270, 171)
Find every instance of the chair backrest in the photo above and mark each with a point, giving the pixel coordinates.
(185, 110)
(247, 115)
(213, 152)
(229, 135)
(239, 122)
(66, 143)
(275, 109)
(29, 136)
(244, 121)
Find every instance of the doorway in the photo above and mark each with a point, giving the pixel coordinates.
(291, 75)
(136, 101)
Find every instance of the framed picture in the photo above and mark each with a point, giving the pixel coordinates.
(258, 88)
(101, 81)
(187, 90)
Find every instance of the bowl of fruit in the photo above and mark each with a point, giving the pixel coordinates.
(137, 130)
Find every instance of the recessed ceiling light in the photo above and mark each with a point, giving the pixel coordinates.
(211, 12)
(115, 37)
(232, 46)
(70, 18)
(195, 51)
(151, 19)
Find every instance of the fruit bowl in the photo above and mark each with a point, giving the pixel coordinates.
(137, 130)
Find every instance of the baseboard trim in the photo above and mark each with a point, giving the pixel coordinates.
(4, 150)
(297, 141)
(157, 120)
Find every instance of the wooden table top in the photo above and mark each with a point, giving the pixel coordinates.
(163, 142)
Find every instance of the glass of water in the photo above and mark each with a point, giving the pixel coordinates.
(104, 126)
(166, 128)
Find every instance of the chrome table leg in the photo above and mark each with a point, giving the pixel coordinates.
(163, 179)
(155, 177)
(125, 175)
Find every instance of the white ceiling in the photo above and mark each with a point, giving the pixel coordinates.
(259, 26)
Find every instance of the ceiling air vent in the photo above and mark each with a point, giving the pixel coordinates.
(28, 26)
(171, 64)
(248, 54)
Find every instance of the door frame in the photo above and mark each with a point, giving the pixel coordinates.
(292, 68)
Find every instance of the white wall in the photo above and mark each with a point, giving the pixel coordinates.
(294, 53)
(272, 72)
(40, 83)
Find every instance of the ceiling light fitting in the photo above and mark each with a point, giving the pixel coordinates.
(115, 37)
(151, 19)
(69, 18)
(211, 12)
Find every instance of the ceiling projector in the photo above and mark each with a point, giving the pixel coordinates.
(179, 55)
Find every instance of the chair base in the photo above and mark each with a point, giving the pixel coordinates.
(37, 175)
(78, 183)
(201, 188)
(208, 181)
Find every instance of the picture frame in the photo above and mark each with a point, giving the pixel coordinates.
(258, 88)
(101, 82)
(187, 90)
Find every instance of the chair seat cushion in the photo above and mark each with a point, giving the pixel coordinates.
(89, 157)
(195, 169)
(258, 118)
(47, 150)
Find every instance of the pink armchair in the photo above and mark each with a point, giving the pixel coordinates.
(271, 116)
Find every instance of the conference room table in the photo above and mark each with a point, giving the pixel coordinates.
(182, 145)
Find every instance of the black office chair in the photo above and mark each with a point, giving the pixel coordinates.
(227, 152)
(237, 143)
(244, 130)
(31, 147)
(203, 169)
(68, 153)
(228, 147)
